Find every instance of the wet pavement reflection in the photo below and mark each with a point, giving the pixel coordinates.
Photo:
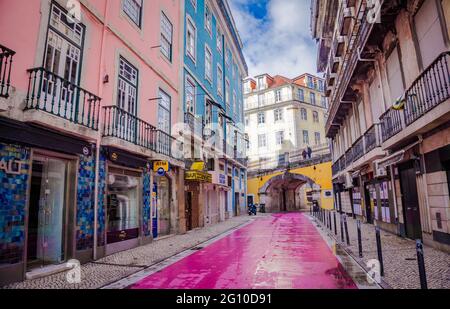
(281, 251)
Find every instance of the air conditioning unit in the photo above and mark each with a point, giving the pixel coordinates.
(348, 181)
(379, 171)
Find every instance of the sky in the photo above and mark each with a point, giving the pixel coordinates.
(276, 36)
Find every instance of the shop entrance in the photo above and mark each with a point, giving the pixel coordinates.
(410, 201)
(48, 212)
(122, 209)
(163, 205)
(188, 211)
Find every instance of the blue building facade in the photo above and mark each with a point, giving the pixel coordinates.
(214, 67)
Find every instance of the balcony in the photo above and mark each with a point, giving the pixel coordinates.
(6, 59)
(361, 147)
(57, 96)
(427, 92)
(123, 125)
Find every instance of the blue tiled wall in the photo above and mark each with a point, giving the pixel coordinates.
(101, 211)
(13, 193)
(146, 211)
(85, 202)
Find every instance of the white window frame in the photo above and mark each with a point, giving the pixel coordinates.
(165, 107)
(194, 4)
(305, 140)
(261, 115)
(262, 140)
(219, 80)
(190, 83)
(279, 137)
(316, 117)
(278, 96)
(317, 138)
(219, 39)
(190, 23)
(164, 39)
(278, 114)
(137, 3)
(208, 77)
(210, 19)
(304, 116)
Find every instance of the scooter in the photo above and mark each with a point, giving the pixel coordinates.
(251, 209)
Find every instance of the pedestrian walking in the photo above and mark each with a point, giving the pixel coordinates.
(309, 150)
(304, 154)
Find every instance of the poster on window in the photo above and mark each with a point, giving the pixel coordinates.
(357, 201)
(384, 196)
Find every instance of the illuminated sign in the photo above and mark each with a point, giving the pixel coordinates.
(161, 167)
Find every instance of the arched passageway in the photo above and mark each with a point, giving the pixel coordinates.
(286, 192)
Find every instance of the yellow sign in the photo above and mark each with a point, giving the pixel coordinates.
(198, 166)
(158, 165)
(198, 176)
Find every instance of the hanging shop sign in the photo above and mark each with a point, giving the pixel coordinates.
(161, 167)
(198, 176)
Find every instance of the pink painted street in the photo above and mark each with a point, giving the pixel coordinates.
(281, 251)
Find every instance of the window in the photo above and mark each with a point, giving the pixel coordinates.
(323, 101)
(208, 19)
(133, 8)
(194, 4)
(261, 82)
(305, 137)
(234, 105)
(301, 95)
(219, 80)
(261, 100)
(279, 137)
(219, 40)
(166, 36)
(429, 32)
(208, 113)
(278, 114)
(303, 114)
(262, 142)
(394, 74)
(310, 82)
(317, 138)
(261, 118)
(190, 96)
(164, 112)
(321, 85)
(127, 90)
(312, 98)
(191, 38)
(278, 95)
(315, 116)
(208, 63)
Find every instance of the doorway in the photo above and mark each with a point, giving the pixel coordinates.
(367, 203)
(410, 200)
(236, 203)
(48, 212)
(188, 211)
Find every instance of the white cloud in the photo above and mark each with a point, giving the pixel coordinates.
(279, 43)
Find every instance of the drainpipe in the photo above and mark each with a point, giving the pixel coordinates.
(99, 136)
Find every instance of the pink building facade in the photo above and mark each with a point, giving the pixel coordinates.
(90, 92)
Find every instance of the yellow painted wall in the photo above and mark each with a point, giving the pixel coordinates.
(321, 176)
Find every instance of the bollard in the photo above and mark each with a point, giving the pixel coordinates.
(329, 220)
(380, 254)
(346, 230)
(421, 262)
(342, 228)
(358, 225)
(335, 227)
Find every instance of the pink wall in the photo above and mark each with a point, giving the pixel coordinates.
(26, 36)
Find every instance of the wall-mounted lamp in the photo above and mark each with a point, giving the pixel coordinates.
(106, 79)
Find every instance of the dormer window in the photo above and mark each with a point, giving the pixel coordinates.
(261, 84)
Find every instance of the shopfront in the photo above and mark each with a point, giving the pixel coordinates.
(162, 215)
(47, 189)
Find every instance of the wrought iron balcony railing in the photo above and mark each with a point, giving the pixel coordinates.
(430, 89)
(53, 94)
(6, 59)
(372, 138)
(358, 149)
(126, 126)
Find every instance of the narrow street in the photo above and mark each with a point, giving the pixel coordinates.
(277, 251)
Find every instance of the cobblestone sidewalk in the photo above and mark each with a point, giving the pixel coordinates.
(117, 266)
(399, 257)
